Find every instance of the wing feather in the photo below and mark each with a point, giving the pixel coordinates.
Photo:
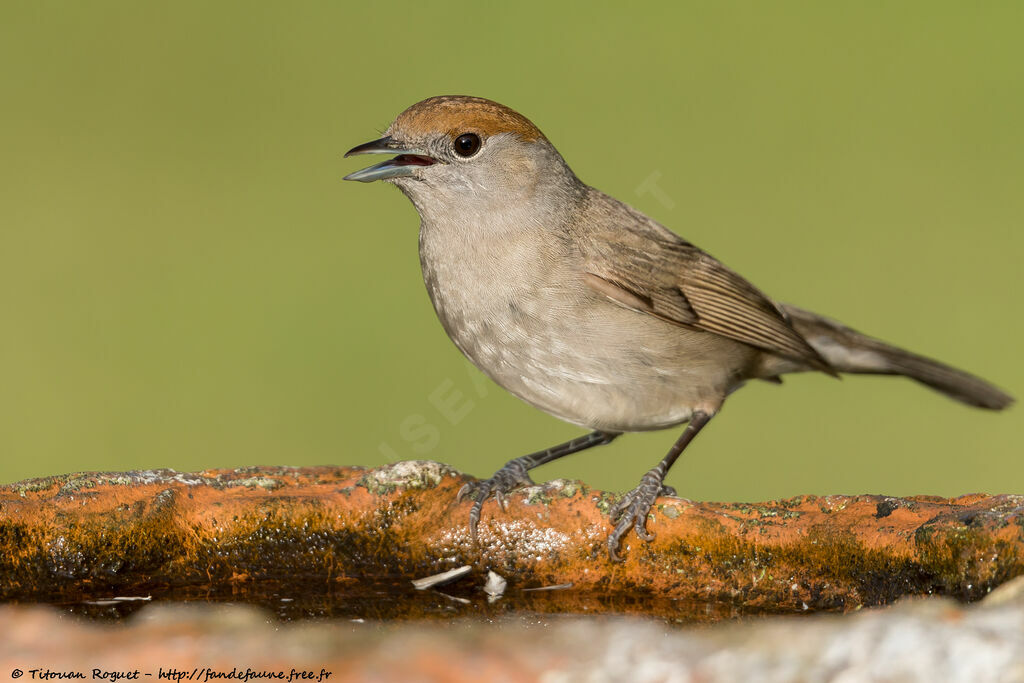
(678, 282)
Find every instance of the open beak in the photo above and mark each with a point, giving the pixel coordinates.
(401, 165)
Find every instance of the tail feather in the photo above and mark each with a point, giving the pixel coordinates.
(850, 351)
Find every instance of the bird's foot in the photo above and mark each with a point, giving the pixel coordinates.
(508, 478)
(632, 509)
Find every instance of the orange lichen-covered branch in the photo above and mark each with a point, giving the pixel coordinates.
(94, 532)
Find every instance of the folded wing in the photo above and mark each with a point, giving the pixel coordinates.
(679, 283)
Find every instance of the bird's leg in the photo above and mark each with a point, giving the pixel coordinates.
(632, 508)
(514, 473)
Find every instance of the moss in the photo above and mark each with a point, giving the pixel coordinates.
(78, 482)
(46, 483)
(144, 545)
(568, 488)
(130, 542)
(966, 562)
(145, 540)
(828, 570)
(797, 501)
(548, 492)
(605, 501)
(537, 495)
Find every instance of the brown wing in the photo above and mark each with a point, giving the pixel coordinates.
(678, 282)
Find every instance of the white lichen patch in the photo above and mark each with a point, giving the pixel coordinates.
(80, 481)
(408, 474)
(256, 482)
(164, 476)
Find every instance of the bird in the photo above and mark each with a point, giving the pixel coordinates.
(589, 310)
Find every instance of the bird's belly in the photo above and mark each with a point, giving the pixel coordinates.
(589, 362)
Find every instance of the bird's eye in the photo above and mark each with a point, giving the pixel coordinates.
(467, 144)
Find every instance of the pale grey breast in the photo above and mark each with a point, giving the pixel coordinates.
(518, 309)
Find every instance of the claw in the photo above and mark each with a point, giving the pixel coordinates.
(474, 519)
(615, 540)
(641, 529)
(508, 478)
(613, 551)
(631, 512)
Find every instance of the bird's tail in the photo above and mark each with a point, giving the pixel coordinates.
(850, 351)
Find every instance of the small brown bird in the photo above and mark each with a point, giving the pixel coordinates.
(589, 310)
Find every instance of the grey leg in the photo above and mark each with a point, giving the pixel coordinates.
(514, 473)
(632, 509)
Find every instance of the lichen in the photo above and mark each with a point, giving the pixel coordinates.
(257, 482)
(411, 474)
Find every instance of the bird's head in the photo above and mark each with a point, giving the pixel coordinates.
(456, 149)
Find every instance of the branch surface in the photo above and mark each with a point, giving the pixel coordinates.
(93, 533)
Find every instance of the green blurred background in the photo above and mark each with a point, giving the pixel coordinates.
(185, 281)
